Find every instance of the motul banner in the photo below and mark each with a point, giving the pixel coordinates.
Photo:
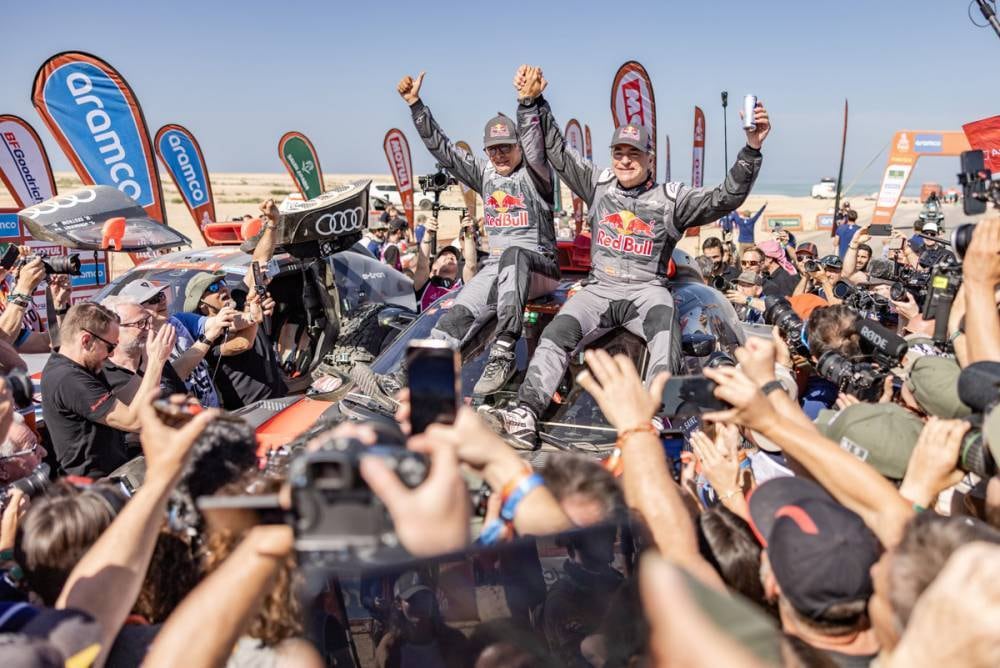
(468, 194)
(95, 118)
(666, 151)
(587, 143)
(632, 100)
(302, 162)
(984, 135)
(180, 153)
(575, 139)
(397, 152)
(698, 153)
(24, 164)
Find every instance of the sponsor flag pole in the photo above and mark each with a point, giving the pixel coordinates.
(180, 153)
(840, 174)
(96, 119)
(299, 156)
(666, 151)
(632, 101)
(24, 164)
(397, 152)
(575, 139)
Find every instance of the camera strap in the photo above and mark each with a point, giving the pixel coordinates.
(52, 318)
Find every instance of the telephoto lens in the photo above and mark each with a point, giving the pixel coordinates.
(961, 237)
(58, 264)
(811, 266)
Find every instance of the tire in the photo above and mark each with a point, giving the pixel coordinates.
(360, 340)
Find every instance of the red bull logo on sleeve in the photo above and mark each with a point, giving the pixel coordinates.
(625, 232)
(509, 210)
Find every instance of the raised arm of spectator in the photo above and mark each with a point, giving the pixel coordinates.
(981, 271)
(856, 485)
(186, 362)
(851, 257)
(756, 216)
(127, 417)
(529, 84)
(230, 597)
(650, 490)
(464, 166)
(470, 251)
(107, 580)
(11, 319)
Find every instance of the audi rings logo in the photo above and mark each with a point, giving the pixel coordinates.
(340, 222)
(60, 202)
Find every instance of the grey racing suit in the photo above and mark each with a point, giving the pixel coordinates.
(517, 212)
(633, 234)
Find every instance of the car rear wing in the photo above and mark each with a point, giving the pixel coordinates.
(327, 224)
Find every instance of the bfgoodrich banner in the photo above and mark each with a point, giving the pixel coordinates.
(24, 165)
(302, 163)
(180, 154)
(96, 120)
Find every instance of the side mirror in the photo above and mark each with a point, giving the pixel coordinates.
(698, 344)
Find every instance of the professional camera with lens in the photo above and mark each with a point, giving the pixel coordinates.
(811, 266)
(32, 484)
(722, 284)
(884, 350)
(437, 182)
(21, 388)
(779, 312)
(865, 303)
(56, 264)
(975, 456)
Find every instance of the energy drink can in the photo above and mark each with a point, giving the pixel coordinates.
(749, 105)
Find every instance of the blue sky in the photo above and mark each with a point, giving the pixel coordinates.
(238, 75)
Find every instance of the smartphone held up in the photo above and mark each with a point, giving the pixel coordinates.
(432, 367)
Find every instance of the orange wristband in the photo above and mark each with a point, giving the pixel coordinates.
(645, 428)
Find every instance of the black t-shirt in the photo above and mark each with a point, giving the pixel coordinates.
(118, 377)
(73, 399)
(780, 284)
(849, 660)
(248, 377)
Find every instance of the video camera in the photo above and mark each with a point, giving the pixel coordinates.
(437, 182)
(865, 380)
(722, 284)
(779, 312)
(978, 186)
(865, 303)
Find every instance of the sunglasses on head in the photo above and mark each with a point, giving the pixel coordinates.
(158, 298)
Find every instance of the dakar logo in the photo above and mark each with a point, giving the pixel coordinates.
(630, 234)
(504, 203)
(903, 145)
(499, 130)
(632, 94)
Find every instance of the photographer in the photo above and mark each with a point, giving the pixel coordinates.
(86, 423)
(20, 323)
(819, 281)
(746, 298)
(432, 281)
(712, 248)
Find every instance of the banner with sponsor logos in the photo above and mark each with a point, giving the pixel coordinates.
(698, 151)
(587, 143)
(180, 153)
(632, 101)
(397, 152)
(468, 194)
(302, 162)
(907, 147)
(24, 164)
(984, 135)
(96, 119)
(575, 139)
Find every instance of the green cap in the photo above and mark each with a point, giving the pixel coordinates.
(934, 384)
(883, 435)
(196, 287)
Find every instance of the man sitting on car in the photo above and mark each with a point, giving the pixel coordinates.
(85, 421)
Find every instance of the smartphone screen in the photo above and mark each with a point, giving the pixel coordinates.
(690, 395)
(880, 230)
(10, 256)
(432, 369)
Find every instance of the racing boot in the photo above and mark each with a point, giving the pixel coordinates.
(518, 423)
(500, 367)
(380, 387)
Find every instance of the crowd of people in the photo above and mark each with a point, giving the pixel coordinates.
(837, 505)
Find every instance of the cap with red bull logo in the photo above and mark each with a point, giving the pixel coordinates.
(632, 135)
(500, 130)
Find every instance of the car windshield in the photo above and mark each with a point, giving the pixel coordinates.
(573, 419)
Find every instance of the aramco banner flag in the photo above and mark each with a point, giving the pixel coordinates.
(24, 164)
(984, 135)
(95, 118)
(468, 194)
(698, 152)
(300, 159)
(587, 143)
(574, 137)
(397, 152)
(180, 153)
(632, 101)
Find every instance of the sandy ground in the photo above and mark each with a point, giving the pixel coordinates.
(238, 194)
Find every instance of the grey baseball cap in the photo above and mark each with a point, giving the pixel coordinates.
(749, 278)
(632, 135)
(500, 130)
(142, 290)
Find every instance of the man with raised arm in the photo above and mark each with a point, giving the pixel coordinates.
(635, 223)
(516, 187)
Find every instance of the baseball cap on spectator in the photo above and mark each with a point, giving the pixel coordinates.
(499, 130)
(805, 304)
(376, 223)
(820, 552)
(832, 261)
(408, 584)
(631, 135)
(453, 250)
(930, 228)
(142, 290)
(749, 278)
(933, 381)
(196, 288)
(397, 225)
(882, 435)
(807, 248)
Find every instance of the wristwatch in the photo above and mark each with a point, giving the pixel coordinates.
(204, 339)
(770, 386)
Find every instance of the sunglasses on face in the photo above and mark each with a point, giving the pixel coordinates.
(110, 346)
(749, 263)
(158, 298)
(215, 287)
(502, 149)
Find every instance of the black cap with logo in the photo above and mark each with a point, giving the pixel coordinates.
(500, 130)
(632, 135)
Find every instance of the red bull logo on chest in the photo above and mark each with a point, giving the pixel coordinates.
(509, 210)
(625, 232)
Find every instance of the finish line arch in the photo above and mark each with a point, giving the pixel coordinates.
(907, 147)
